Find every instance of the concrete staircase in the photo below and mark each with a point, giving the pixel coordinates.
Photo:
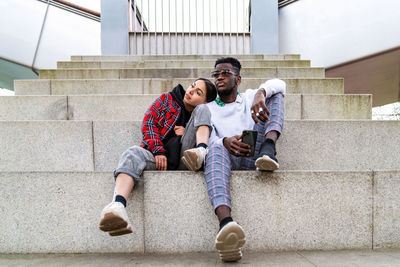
(61, 137)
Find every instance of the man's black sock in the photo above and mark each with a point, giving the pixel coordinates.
(121, 199)
(267, 148)
(224, 222)
(202, 145)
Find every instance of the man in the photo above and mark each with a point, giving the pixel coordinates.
(231, 113)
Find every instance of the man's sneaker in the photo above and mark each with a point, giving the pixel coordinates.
(229, 242)
(194, 158)
(266, 160)
(265, 163)
(115, 220)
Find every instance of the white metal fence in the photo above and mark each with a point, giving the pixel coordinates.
(189, 27)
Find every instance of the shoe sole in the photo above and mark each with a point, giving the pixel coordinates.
(112, 222)
(190, 160)
(229, 242)
(265, 163)
(123, 231)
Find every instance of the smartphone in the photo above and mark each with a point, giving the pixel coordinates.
(250, 137)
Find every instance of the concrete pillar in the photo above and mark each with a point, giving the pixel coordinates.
(114, 27)
(264, 27)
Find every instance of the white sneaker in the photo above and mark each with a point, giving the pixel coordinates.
(265, 163)
(194, 158)
(115, 220)
(229, 242)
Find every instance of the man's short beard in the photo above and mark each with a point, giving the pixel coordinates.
(226, 92)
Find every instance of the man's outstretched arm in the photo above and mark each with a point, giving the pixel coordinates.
(259, 110)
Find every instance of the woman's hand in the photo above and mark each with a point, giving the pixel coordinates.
(161, 162)
(259, 110)
(179, 130)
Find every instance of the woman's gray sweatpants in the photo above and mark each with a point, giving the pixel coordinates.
(136, 159)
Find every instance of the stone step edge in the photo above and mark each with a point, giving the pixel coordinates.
(77, 57)
(195, 68)
(369, 196)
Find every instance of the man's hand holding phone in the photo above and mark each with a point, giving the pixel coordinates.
(237, 147)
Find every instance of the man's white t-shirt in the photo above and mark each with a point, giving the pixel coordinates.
(232, 118)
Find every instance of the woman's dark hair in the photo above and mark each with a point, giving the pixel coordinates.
(233, 61)
(211, 90)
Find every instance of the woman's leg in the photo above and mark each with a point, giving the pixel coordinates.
(195, 139)
(114, 218)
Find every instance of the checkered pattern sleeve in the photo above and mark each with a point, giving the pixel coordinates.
(152, 135)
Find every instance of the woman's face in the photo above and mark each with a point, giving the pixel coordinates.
(196, 94)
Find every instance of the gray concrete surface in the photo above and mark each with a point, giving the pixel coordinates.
(133, 107)
(278, 211)
(177, 73)
(304, 145)
(176, 64)
(46, 146)
(46, 212)
(339, 107)
(171, 213)
(386, 209)
(33, 108)
(337, 258)
(158, 86)
(188, 57)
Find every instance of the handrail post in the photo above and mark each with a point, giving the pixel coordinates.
(114, 27)
(264, 27)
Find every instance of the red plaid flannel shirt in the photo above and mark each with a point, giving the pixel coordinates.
(159, 119)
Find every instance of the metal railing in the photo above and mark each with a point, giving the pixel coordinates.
(189, 26)
(73, 8)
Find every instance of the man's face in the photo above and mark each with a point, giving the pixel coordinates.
(225, 78)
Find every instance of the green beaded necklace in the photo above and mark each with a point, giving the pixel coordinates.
(220, 102)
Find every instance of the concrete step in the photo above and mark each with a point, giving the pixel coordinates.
(158, 86)
(176, 64)
(183, 57)
(344, 258)
(133, 107)
(97, 146)
(177, 73)
(170, 211)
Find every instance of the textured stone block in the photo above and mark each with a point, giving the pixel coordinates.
(46, 146)
(387, 209)
(339, 145)
(300, 73)
(109, 107)
(158, 86)
(133, 107)
(338, 107)
(177, 73)
(303, 210)
(32, 87)
(111, 86)
(60, 212)
(111, 139)
(278, 211)
(182, 57)
(178, 214)
(33, 108)
(79, 74)
(177, 64)
(304, 145)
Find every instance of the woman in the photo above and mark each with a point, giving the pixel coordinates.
(176, 122)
